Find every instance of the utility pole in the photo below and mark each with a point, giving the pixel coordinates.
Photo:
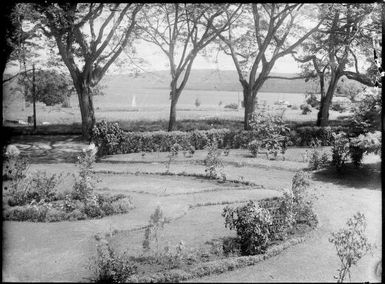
(34, 97)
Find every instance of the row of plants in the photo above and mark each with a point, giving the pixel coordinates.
(270, 133)
(264, 228)
(35, 196)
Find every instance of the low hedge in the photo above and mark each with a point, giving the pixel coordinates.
(135, 142)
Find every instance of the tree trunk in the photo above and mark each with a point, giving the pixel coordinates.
(86, 108)
(323, 113)
(172, 120)
(249, 103)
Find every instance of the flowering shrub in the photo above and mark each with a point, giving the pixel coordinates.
(252, 224)
(212, 160)
(351, 244)
(367, 115)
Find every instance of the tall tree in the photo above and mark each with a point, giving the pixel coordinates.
(181, 31)
(265, 33)
(335, 50)
(84, 37)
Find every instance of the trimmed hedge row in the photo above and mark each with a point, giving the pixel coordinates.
(112, 140)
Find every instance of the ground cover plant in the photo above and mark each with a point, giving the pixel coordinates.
(34, 196)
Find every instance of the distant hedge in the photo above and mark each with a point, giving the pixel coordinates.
(112, 140)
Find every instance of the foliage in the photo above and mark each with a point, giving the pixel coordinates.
(343, 147)
(107, 137)
(251, 223)
(351, 244)
(254, 147)
(305, 108)
(212, 161)
(35, 188)
(51, 87)
(318, 161)
(271, 131)
(35, 197)
(367, 114)
(232, 106)
(110, 267)
(15, 165)
(339, 106)
(303, 200)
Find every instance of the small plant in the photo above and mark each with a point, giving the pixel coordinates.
(318, 161)
(302, 199)
(151, 233)
(84, 186)
(197, 102)
(212, 161)
(340, 150)
(109, 267)
(351, 245)
(252, 224)
(305, 108)
(253, 147)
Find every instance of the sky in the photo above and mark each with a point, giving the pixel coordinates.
(158, 61)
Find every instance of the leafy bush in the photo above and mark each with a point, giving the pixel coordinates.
(212, 161)
(367, 114)
(35, 187)
(271, 131)
(305, 108)
(343, 147)
(107, 137)
(351, 244)
(251, 223)
(254, 147)
(111, 267)
(36, 199)
(318, 161)
(339, 106)
(232, 106)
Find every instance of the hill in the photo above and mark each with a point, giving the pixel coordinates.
(207, 79)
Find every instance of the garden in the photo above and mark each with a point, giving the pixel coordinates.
(174, 206)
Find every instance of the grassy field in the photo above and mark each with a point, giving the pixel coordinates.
(153, 105)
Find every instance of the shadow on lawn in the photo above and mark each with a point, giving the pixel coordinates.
(367, 176)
